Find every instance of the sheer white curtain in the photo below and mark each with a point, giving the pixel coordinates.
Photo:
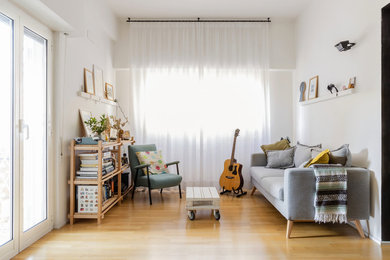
(192, 85)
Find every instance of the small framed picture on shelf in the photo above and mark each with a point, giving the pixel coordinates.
(110, 92)
(88, 82)
(313, 88)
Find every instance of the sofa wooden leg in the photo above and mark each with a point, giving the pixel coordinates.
(289, 228)
(359, 228)
(253, 191)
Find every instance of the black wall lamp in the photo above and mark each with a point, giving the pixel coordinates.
(344, 45)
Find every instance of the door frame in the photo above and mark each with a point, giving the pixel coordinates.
(21, 241)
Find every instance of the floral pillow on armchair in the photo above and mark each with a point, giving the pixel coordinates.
(156, 161)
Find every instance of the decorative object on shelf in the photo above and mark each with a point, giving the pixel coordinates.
(344, 87)
(126, 135)
(313, 88)
(331, 87)
(344, 45)
(97, 126)
(125, 160)
(88, 82)
(98, 81)
(117, 125)
(86, 140)
(110, 92)
(352, 82)
(302, 89)
(85, 116)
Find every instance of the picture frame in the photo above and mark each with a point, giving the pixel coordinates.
(302, 91)
(313, 88)
(89, 86)
(85, 116)
(110, 92)
(98, 81)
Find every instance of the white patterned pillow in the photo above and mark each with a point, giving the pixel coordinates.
(156, 161)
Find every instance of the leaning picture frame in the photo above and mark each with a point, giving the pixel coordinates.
(88, 82)
(85, 116)
(313, 88)
(110, 92)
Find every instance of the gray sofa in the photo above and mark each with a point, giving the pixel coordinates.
(292, 191)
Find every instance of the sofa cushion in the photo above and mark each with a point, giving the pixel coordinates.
(259, 173)
(280, 145)
(274, 186)
(303, 153)
(281, 159)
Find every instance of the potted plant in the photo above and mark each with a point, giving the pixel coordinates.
(98, 126)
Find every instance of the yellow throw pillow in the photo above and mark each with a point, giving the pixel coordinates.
(281, 145)
(321, 158)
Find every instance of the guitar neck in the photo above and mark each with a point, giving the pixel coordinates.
(233, 150)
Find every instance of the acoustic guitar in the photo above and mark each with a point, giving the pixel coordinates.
(231, 178)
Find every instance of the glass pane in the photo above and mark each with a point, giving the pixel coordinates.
(6, 143)
(34, 129)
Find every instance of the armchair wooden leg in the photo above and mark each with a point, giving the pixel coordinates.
(161, 190)
(359, 228)
(253, 191)
(180, 191)
(290, 224)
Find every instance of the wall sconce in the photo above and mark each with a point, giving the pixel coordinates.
(344, 45)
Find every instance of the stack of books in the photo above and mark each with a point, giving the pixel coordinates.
(89, 165)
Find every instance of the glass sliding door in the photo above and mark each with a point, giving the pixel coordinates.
(6, 129)
(34, 125)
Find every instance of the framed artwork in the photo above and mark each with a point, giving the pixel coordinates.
(85, 116)
(110, 92)
(313, 88)
(88, 82)
(98, 81)
(302, 90)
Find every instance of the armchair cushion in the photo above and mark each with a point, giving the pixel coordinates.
(133, 149)
(159, 181)
(156, 161)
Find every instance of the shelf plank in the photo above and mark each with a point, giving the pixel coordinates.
(95, 147)
(96, 98)
(85, 215)
(110, 175)
(127, 191)
(85, 181)
(328, 97)
(110, 202)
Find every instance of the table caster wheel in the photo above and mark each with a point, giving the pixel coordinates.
(217, 216)
(191, 215)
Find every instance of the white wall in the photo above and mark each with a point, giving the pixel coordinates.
(90, 42)
(354, 119)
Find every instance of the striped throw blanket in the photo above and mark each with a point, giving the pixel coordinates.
(331, 194)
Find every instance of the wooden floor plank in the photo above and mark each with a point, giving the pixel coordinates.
(250, 228)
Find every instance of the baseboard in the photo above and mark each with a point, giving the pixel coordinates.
(375, 239)
(60, 225)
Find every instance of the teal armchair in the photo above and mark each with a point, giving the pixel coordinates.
(158, 181)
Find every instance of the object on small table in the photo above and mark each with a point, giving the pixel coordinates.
(198, 198)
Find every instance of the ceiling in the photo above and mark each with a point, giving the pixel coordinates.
(191, 9)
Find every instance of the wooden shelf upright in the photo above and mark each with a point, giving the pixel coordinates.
(105, 206)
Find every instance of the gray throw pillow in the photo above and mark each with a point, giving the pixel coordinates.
(341, 155)
(281, 159)
(303, 153)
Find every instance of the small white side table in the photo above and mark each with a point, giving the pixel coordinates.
(198, 198)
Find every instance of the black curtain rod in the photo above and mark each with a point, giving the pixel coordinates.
(197, 20)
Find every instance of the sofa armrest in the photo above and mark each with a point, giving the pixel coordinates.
(299, 192)
(258, 159)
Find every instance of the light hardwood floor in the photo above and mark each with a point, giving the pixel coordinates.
(250, 228)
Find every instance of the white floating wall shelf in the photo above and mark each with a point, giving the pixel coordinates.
(328, 97)
(96, 98)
